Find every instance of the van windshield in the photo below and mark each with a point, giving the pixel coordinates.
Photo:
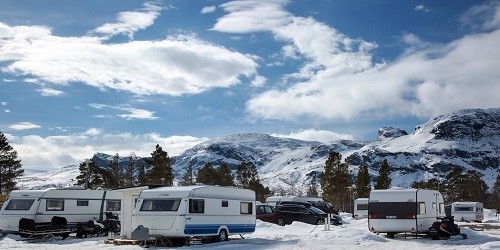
(19, 204)
(160, 204)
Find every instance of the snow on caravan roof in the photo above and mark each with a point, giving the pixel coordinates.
(200, 191)
(27, 193)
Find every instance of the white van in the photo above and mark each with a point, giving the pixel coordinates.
(467, 211)
(195, 211)
(404, 211)
(75, 204)
(360, 208)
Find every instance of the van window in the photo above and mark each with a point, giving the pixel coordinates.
(225, 204)
(421, 208)
(55, 205)
(246, 208)
(19, 204)
(196, 206)
(113, 205)
(82, 203)
(160, 204)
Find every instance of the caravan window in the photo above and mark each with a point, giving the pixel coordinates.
(196, 206)
(246, 208)
(55, 205)
(82, 203)
(225, 203)
(19, 204)
(362, 207)
(464, 209)
(421, 208)
(160, 205)
(113, 205)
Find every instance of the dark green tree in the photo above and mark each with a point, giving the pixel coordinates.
(115, 173)
(312, 190)
(476, 189)
(131, 170)
(247, 177)
(207, 175)
(336, 181)
(10, 166)
(383, 180)
(224, 176)
(141, 175)
(454, 185)
(363, 186)
(161, 168)
(187, 179)
(90, 174)
(429, 184)
(494, 201)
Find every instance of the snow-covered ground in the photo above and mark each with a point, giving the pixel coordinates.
(353, 234)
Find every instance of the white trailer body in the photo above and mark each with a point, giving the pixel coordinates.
(76, 205)
(404, 211)
(192, 211)
(360, 208)
(467, 211)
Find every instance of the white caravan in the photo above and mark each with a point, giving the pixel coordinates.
(75, 204)
(467, 211)
(404, 211)
(195, 211)
(360, 208)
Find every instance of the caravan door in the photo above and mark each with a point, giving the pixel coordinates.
(159, 214)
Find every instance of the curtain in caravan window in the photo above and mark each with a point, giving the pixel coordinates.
(246, 208)
(113, 205)
(19, 204)
(160, 205)
(55, 205)
(196, 206)
(421, 208)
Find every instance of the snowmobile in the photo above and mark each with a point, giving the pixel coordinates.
(95, 228)
(444, 229)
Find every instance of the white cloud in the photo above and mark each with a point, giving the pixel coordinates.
(323, 136)
(258, 81)
(133, 113)
(177, 65)
(37, 152)
(485, 16)
(24, 126)
(50, 92)
(421, 8)
(340, 80)
(131, 21)
(208, 9)
(3, 103)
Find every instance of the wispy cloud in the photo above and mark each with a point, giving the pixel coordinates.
(24, 126)
(483, 17)
(422, 8)
(130, 22)
(208, 9)
(340, 80)
(63, 150)
(50, 92)
(133, 113)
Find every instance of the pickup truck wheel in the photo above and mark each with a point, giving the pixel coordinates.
(222, 235)
(281, 221)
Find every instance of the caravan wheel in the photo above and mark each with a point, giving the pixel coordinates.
(222, 235)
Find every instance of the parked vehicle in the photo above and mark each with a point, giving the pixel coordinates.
(467, 211)
(318, 202)
(75, 204)
(399, 211)
(288, 213)
(335, 219)
(266, 213)
(444, 229)
(360, 208)
(180, 213)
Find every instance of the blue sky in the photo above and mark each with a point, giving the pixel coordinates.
(79, 77)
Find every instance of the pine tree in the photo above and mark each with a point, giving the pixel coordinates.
(312, 191)
(476, 188)
(116, 177)
(94, 174)
(454, 186)
(161, 170)
(206, 175)
(335, 181)
(383, 180)
(247, 176)
(187, 179)
(130, 171)
(363, 186)
(141, 175)
(494, 201)
(10, 166)
(224, 176)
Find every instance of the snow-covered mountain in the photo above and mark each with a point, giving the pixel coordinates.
(466, 138)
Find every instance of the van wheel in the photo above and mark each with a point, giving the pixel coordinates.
(320, 222)
(222, 235)
(281, 221)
